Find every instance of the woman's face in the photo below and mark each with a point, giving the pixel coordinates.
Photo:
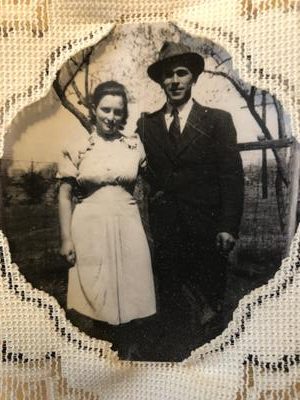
(110, 114)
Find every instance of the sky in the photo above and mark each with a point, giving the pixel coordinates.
(39, 131)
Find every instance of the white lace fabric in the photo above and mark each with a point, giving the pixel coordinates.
(43, 355)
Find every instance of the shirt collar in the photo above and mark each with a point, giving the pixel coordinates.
(184, 108)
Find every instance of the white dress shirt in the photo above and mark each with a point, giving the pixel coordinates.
(183, 113)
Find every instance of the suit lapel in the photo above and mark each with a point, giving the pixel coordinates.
(196, 125)
(160, 135)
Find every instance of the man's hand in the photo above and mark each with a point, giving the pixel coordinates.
(67, 250)
(225, 243)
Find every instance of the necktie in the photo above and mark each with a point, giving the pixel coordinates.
(174, 129)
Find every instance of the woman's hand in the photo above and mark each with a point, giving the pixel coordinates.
(67, 250)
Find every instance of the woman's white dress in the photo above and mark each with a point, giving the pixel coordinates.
(112, 280)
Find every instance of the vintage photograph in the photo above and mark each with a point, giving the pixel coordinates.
(150, 190)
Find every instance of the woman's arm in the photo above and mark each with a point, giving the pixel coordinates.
(67, 249)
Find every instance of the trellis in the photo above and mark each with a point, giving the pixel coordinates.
(287, 204)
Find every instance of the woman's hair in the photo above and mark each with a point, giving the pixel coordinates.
(111, 88)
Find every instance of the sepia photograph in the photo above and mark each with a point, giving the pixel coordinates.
(150, 190)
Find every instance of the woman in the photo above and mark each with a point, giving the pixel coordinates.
(102, 235)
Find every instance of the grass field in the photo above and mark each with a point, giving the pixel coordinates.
(33, 233)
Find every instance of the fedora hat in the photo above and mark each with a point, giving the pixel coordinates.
(171, 52)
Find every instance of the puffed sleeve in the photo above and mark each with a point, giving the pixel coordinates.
(67, 167)
(68, 158)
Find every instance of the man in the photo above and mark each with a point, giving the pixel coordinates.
(196, 188)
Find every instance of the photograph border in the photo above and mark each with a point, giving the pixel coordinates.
(13, 281)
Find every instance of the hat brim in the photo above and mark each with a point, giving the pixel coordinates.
(191, 60)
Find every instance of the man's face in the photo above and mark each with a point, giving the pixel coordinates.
(177, 82)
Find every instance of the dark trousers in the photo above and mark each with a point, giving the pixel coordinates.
(188, 268)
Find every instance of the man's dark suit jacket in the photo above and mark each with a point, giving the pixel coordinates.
(203, 176)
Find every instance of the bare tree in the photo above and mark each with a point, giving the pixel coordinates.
(76, 98)
(65, 82)
(249, 94)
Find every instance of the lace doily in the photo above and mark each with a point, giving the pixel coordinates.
(43, 355)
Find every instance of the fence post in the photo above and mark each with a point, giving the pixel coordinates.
(294, 173)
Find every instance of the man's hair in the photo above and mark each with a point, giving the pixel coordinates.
(112, 88)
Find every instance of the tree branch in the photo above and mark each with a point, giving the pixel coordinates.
(252, 96)
(87, 89)
(223, 62)
(60, 90)
(74, 62)
(80, 97)
(250, 103)
(265, 130)
(84, 60)
(278, 107)
(241, 91)
(76, 90)
(85, 122)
